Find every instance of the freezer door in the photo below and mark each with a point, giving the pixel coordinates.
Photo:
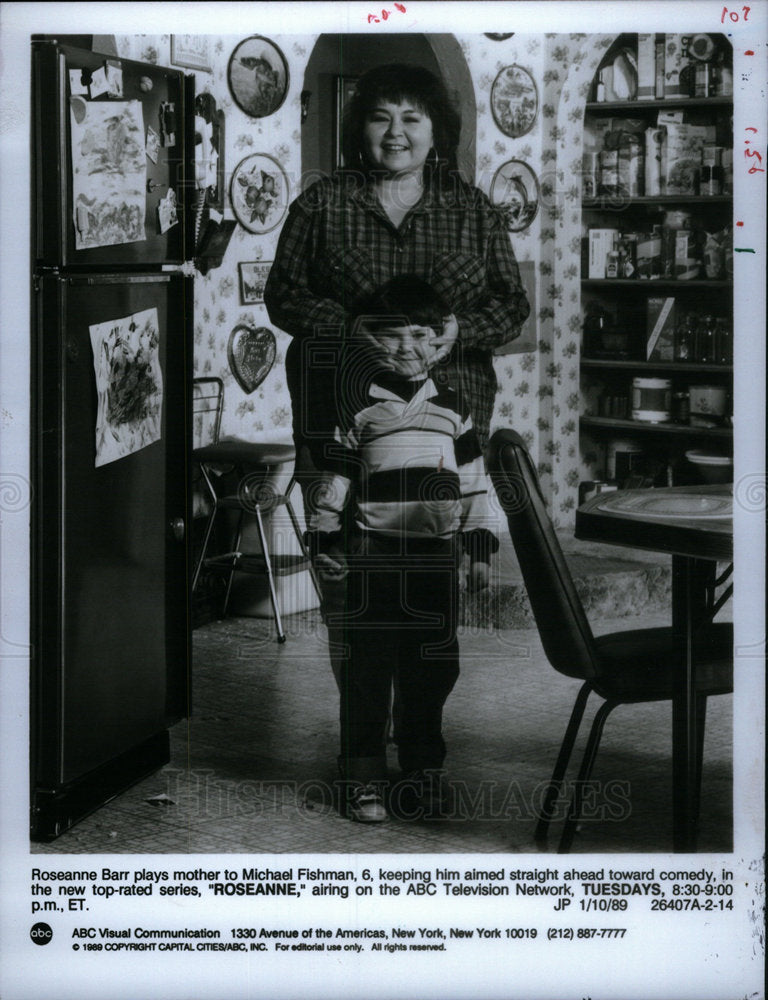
(127, 153)
(111, 607)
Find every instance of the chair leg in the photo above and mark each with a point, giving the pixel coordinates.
(270, 575)
(588, 761)
(701, 718)
(208, 527)
(204, 549)
(302, 546)
(235, 551)
(561, 764)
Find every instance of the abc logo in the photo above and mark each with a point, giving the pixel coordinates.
(41, 933)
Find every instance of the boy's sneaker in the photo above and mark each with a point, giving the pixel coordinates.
(365, 804)
(425, 791)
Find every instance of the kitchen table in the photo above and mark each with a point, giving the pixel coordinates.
(694, 524)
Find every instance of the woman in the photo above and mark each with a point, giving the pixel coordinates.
(398, 207)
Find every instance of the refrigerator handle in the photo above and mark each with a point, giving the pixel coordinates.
(120, 279)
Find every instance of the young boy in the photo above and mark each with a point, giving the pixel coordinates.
(408, 462)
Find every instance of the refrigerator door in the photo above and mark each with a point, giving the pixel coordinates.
(111, 604)
(103, 165)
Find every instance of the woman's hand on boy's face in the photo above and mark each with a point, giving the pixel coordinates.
(442, 345)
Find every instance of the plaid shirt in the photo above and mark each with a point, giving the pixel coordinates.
(337, 245)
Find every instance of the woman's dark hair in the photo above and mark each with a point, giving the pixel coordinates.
(398, 82)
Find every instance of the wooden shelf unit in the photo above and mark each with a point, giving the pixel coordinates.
(625, 298)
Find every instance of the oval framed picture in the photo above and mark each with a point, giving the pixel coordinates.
(515, 191)
(259, 193)
(257, 75)
(514, 101)
(251, 353)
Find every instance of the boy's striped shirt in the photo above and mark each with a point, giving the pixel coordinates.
(412, 466)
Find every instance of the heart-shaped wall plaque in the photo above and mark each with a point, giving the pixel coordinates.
(251, 353)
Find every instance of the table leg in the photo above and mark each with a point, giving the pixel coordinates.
(690, 579)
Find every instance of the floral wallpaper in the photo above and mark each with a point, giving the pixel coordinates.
(265, 414)
(519, 398)
(539, 392)
(571, 62)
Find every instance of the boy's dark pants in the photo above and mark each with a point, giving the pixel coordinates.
(399, 624)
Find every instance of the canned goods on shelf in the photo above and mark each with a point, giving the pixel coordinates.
(652, 400)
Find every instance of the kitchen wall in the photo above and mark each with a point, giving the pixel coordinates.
(539, 388)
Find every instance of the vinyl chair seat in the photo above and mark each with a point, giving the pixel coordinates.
(235, 451)
(634, 666)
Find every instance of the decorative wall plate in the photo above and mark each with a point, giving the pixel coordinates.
(514, 101)
(259, 193)
(258, 76)
(251, 354)
(515, 190)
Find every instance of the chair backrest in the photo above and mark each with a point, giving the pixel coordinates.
(563, 626)
(207, 406)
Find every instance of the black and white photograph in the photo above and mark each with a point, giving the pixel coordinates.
(398, 560)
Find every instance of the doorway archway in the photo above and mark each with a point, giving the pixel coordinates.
(349, 56)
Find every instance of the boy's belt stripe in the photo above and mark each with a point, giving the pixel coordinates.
(410, 484)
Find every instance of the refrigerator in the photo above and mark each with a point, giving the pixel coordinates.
(111, 366)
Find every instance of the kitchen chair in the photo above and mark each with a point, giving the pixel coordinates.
(622, 667)
(252, 494)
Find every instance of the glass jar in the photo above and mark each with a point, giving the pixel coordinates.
(628, 255)
(651, 400)
(600, 92)
(711, 170)
(681, 406)
(685, 338)
(672, 225)
(723, 341)
(702, 82)
(590, 176)
(714, 258)
(631, 166)
(706, 351)
(595, 323)
(609, 172)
